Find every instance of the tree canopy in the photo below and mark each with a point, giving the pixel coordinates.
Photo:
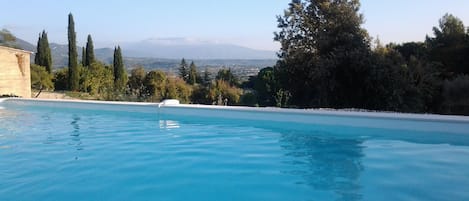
(40, 78)
(324, 53)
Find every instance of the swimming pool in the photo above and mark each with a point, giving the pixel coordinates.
(66, 150)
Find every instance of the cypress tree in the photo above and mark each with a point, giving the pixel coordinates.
(192, 78)
(38, 56)
(47, 52)
(83, 56)
(89, 58)
(120, 76)
(43, 55)
(73, 74)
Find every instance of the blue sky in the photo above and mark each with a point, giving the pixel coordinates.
(248, 23)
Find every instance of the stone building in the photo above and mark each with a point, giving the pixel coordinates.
(15, 77)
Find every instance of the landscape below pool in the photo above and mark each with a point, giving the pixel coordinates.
(70, 152)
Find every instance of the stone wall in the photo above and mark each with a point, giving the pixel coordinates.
(15, 77)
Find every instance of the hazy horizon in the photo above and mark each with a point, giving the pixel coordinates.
(242, 23)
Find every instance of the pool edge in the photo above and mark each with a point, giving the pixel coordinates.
(315, 111)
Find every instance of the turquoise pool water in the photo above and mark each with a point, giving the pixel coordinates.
(58, 151)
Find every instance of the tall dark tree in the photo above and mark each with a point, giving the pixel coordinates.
(120, 76)
(43, 55)
(74, 74)
(183, 70)
(83, 56)
(37, 56)
(89, 58)
(192, 75)
(324, 53)
(450, 46)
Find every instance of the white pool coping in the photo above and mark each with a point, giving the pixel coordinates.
(171, 103)
(273, 116)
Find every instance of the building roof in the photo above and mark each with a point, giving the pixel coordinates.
(16, 50)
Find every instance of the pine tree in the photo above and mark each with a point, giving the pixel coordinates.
(183, 71)
(192, 77)
(73, 74)
(89, 58)
(43, 56)
(120, 76)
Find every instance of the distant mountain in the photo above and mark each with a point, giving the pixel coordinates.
(60, 54)
(167, 53)
(176, 48)
(19, 43)
(25, 45)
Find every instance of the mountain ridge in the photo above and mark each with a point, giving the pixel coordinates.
(153, 55)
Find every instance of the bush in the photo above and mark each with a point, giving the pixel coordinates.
(456, 95)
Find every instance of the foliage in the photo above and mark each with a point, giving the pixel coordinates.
(326, 61)
(282, 98)
(40, 78)
(456, 96)
(227, 76)
(43, 55)
(176, 88)
(324, 55)
(206, 79)
(61, 79)
(221, 92)
(98, 80)
(418, 50)
(200, 95)
(83, 56)
(136, 83)
(450, 46)
(267, 86)
(73, 72)
(249, 98)
(155, 85)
